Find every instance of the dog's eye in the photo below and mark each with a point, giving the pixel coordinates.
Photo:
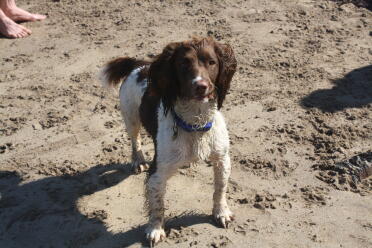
(212, 62)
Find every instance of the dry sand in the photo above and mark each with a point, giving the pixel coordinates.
(300, 104)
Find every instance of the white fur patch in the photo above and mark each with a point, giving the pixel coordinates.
(193, 146)
(195, 80)
(131, 92)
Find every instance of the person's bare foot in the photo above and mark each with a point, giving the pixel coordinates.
(11, 29)
(20, 15)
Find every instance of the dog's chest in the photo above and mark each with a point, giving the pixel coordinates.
(200, 145)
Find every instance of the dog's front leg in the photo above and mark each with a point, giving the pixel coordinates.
(155, 191)
(221, 211)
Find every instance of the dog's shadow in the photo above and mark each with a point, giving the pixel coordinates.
(354, 90)
(44, 213)
(136, 235)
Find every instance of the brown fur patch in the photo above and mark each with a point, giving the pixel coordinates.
(120, 68)
(228, 66)
(143, 74)
(149, 119)
(164, 75)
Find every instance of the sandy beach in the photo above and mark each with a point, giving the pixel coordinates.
(299, 115)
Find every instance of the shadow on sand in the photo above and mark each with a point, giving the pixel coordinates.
(43, 213)
(354, 90)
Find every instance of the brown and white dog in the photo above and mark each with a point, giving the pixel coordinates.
(177, 98)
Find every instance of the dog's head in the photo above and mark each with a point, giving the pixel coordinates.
(200, 70)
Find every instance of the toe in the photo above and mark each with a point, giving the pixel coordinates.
(144, 167)
(21, 34)
(224, 219)
(24, 33)
(222, 222)
(154, 236)
(28, 31)
(39, 17)
(140, 167)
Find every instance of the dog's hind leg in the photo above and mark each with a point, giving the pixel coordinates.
(133, 126)
(138, 160)
(130, 99)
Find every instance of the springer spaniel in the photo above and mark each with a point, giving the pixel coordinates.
(177, 98)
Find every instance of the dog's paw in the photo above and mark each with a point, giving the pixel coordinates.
(223, 217)
(139, 167)
(155, 235)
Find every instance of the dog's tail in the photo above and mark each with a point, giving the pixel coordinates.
(118, 69)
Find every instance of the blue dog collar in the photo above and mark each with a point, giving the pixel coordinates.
(188, 127)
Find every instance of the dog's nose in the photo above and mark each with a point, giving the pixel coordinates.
(201, 86)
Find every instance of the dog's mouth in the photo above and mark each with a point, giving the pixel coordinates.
(205, 97)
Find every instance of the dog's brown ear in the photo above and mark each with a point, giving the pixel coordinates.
(163, 77)
(227, 68)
